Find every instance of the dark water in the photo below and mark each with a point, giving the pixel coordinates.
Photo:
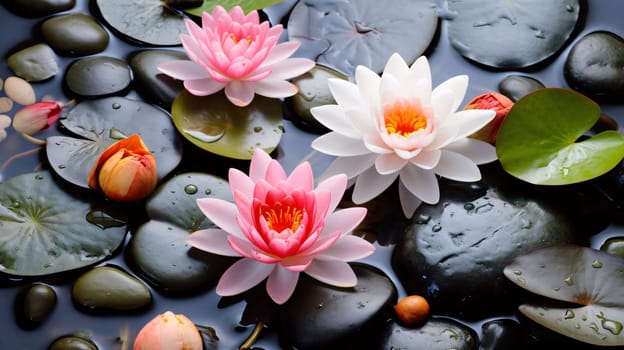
(16, 32)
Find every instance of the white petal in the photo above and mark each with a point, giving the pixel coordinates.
(214, 241)
(348, 248)
(478, 151)
(457, 167)
(442, 103)
(183, 70)
(274, 88)
(457, 85)
(389, 163)
(334, 272)
(472, 120)
(338, 145)
(242, 276)
(368, 83)
(333, 117)
(427, 159)
(350, 166)
(409, 202)
(421, 183)
(370, 184)
(418, 79)
(395, 66)
(281, 284)
(362, 121)
(345, 93)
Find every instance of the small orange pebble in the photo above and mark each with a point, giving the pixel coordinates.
(412, 309)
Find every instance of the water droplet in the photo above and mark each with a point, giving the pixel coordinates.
(190, 189)
(116, 105)
(597, 264)
(213, 136)
(103, 220)
(517, 272)
(422, 219)
(281, 128)
(569, 8)
(208, 191)
(569, 281)
(436, 228)
(594, 326)
(452, 334)
(38, 177)
(469, 206)
(484, 208)
(521, 281)
(556, 289)
(257, 129)
(577, 326)
(569, 314)
(62, 166)
(565, 171)
(116, 134)
(614, 327)
(318, 306)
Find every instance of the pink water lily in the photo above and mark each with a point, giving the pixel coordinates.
(236, 52)
(282, 226)
(396, 126)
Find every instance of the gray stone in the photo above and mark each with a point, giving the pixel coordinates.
(98, 76)
(150, 82)
(34, 63)
(435, 334)
(75, 34)
(35, 8)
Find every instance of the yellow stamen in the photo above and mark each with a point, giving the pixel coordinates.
(280, 218)
(404, 118)
(236, 39)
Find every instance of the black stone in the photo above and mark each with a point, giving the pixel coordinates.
(75, 34)
(37, 8)
(517, 86)
(34, 304)
(98, 76)
(153, 85)
(435, 334)
(500, 334)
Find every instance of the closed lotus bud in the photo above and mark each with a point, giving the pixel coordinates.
(37, 117)
(126, 171)
(169, 331)
(496, 102)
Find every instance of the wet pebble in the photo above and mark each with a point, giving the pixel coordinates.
(20, 91)
(75, 34)
(319, 316)
(595, 65)
(98, 76)
(435, 334)
(34, 304)
(6, 104)
(72, 342)
(500, 334)
(517, 86)
(614, 245)
(109, 288)
(150, 82)
(34, 63)
(36, 8)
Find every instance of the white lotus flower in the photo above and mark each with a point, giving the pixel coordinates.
(396, 126)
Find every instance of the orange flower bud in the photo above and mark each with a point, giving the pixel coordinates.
(126, 171)
(168, 331)
(495, 102)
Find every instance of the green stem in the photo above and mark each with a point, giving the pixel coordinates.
(253, 337)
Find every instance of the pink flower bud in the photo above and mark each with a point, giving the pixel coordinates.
(169, 331)
(495, 102)
(37, 117)
(126, 171)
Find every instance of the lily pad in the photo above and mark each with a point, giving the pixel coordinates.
(99, 123)
(513, 33)
(246, 5)
(47, 229)
(590, 278)
(345, 34)
(146, 21)
(215, 125)
(538, 141)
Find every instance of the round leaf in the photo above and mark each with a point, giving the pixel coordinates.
(146, 21)
(104, 121)
(512, 33)
(345, 34)
(246, 5)
(46, 229)
(579, 275)
(215, 125)
(537, 141)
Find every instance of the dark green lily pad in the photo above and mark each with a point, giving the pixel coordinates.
(147, 21)
(99, 123)
(216, 125)
(537, 142)
(158, 249)
(345, 34)
(511, 34)
(590, 278)
(47, 229)
(246, 5)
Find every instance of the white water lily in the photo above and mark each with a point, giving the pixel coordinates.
(395, 126)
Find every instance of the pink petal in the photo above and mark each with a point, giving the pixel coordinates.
(335, 144)
(239, 181)
(260, 161)
(281, 284)
(297, 263)
(348, 248)
(389, 163)
(242, 276)
(302, 177)
(334, 272)
(281, 52)
(214, 241)
(239, 93)
(336, 186)
(183, 70)
(291, 68)
(370, 184)
(274, 88)
(344, 220)
(457, 167)
(332, 117)
(478, 151)
(275, 173)
(350, 166)
(421, 183)
(253, 250)
(221, 213)
(409, 202)
(203, 87)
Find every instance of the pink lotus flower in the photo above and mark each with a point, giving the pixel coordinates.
(282, 226)
(236, 52)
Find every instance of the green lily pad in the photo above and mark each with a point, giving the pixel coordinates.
(216, 125)
(246, 5)
(47, 229)
(590, 278)
(538, 141)
(99, 123)
(345, 34)
(149, 22)
(158, 249)
(513, 33)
